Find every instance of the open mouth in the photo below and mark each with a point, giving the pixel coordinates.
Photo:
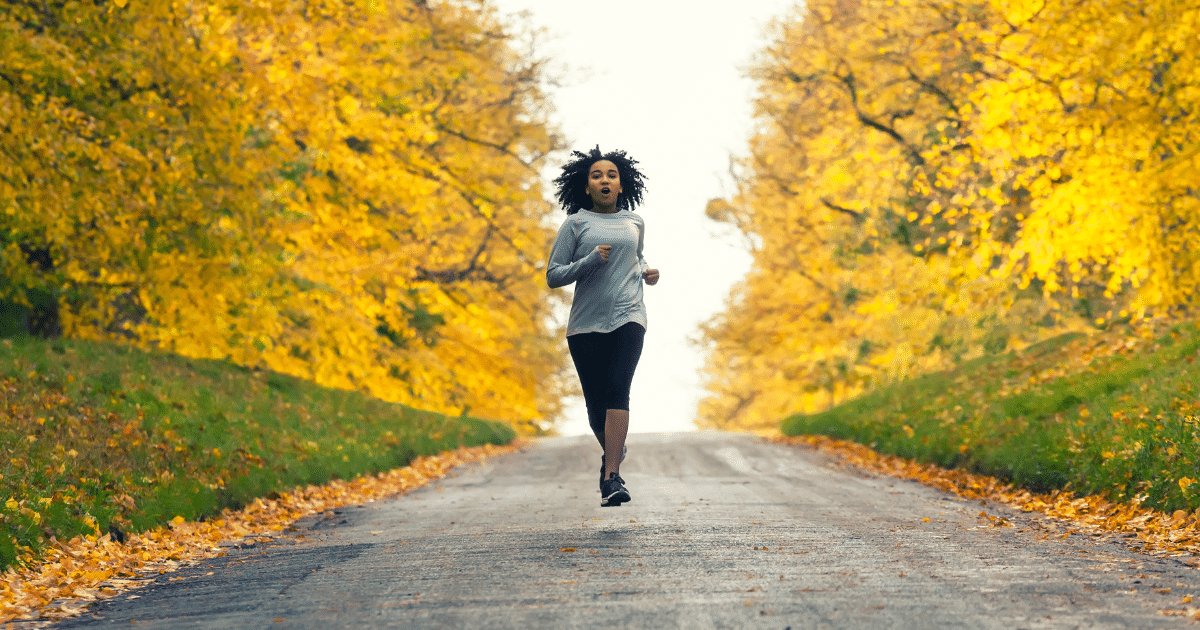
(605, 190)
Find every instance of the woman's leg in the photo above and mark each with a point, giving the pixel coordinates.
(627, 350)
(590, 353)
(616, 428)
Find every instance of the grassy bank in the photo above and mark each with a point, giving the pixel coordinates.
(1115, 415)
(97, 436)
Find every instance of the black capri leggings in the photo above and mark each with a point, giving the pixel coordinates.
(605, 363)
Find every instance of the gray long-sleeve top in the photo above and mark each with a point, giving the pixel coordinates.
(608, 295)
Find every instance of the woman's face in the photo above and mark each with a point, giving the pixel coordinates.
(604, 184)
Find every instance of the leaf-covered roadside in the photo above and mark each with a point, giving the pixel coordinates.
(1176, 533)
(87, 568)
(1113, 415)
(98, 438)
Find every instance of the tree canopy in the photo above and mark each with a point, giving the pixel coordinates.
(347, 191)
(934, 180)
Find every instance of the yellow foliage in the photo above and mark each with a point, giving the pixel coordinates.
(928, 183)
(859, 272)
(344, 192)
(1099, 97)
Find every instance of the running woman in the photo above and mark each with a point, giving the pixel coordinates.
(599, 248)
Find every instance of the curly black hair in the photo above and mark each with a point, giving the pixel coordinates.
(572, 184)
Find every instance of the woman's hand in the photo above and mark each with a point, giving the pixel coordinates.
(650, 276)
(604, 251)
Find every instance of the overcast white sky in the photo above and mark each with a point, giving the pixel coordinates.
(664, 82)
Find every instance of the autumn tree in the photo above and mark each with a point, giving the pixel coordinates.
(346, 192)
(931, 179)
(852, 96)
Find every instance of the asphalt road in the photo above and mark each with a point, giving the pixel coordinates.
(724, 531)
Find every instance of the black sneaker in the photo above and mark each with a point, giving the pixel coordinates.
(624, 451)
(613, 492)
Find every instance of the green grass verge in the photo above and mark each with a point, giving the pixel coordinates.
(1067, 414)
(102, 435)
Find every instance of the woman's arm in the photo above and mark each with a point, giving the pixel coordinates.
(560, 271)
(648, 274)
